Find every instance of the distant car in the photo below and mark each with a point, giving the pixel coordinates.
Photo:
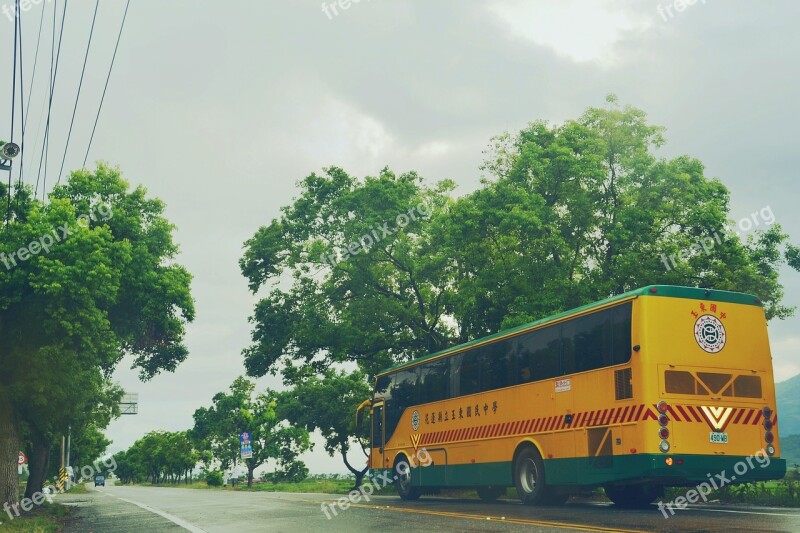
(99, 480)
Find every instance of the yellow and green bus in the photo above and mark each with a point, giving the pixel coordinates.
(660, 386)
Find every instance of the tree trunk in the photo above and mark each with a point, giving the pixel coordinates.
(38, 463)
(9, 451)
(250, 470)
(358, 473)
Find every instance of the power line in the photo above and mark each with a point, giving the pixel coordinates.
(33, 76)
(49, 101)
(78, 95)
(102, 98)
(53, 76)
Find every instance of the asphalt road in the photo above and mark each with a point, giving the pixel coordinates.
(138, 509)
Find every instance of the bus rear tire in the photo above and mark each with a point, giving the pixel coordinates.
(490, 494)
(402, 480)
(529, 476)
(633, 496)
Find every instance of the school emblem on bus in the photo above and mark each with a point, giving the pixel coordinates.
(709, 333)
(415, 420)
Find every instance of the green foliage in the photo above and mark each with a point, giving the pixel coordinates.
(568, 214)
(340, 393)
(217, 429)
(101, 284)
(784, 493)
(214, 478)
(292, 471)
(378, 306)
(158, 457)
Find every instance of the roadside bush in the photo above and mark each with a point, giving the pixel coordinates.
(214, 478)
(290, 472)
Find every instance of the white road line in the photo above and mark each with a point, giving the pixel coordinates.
(174, 519)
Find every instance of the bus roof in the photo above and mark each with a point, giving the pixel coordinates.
(670, 291)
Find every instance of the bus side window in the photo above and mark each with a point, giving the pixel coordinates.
(470, 373)
(497, 365)
(455, 375)
(621, 334)
(434, 381)
(545, 354)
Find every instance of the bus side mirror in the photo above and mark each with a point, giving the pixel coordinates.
(360, 412)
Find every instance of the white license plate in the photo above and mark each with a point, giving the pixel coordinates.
(719, 438)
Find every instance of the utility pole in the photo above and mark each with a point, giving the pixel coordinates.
(69, 441)
(8, 151)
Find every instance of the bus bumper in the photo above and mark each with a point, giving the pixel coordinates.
(675, 470)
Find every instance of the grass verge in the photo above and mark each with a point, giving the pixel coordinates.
(46, 518)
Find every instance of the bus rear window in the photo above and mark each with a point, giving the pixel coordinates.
(706, 383)
(747, 387)
(680, 382)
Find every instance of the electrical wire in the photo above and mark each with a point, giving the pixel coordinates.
(108, 77)
(21, 101)
(53, 76)
(33, 76)
(78, 95)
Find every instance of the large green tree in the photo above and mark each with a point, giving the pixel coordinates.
(218, 429)
(87, 278)
(368, 283)
(566, 215)
(340, 393)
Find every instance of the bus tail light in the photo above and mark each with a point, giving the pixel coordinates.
(663, 419)
(662, 406)
(663, 433)
(769, 437)
(767, 412)
(664, 446)
(767, 424)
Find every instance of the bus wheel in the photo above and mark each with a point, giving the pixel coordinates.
(490, 494)
(529, 477)
(633, 496)
(402, 480)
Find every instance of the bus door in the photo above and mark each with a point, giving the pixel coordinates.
(378, 438)
(564, 441)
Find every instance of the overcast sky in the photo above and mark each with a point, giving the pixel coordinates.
(218, 108)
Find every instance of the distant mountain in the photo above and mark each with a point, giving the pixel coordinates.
(788, 393)
(790, 450)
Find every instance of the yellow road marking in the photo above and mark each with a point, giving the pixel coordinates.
(468, 516)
